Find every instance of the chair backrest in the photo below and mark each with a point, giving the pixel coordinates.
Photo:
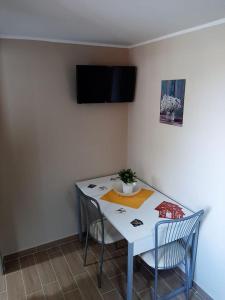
(92, 213)
(173, 239)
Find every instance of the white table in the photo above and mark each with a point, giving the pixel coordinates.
(141, 238)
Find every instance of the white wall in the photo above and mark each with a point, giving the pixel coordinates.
(187, 163)
(48, 141)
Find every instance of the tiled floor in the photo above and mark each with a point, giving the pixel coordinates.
(58, 273)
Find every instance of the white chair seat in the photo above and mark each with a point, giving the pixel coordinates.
(174, 249)
(111, 235)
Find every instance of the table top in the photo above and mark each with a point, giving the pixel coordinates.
(122, 221)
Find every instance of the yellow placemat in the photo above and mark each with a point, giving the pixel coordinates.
(134, 201)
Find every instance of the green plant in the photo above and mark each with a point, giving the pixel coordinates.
(127, 176)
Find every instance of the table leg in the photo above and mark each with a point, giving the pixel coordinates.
(193, 258)
(130, 265)
(80, 231)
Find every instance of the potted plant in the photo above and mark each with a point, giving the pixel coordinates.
(128, 178)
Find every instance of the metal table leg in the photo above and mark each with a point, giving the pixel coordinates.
(130, 266)
(80, 231)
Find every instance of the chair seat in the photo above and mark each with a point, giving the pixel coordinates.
(111, 235)
(169, 255)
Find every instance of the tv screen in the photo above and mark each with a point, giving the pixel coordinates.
(98, 84)
(123, 84)
(93, 84)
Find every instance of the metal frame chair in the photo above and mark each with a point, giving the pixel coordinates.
(175, 244)
(97, 226)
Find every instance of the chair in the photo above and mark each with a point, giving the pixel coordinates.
(175, 244)
(98, 228)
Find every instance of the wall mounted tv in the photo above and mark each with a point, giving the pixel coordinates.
(99, 84)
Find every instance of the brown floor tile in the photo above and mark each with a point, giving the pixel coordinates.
(163, 289)
(73, 295)
(196, 289)
(192, 296)
(15, 286)
(140, 282)
(44, 267)
(146, 295)
(91, 258)
(30, 274)
(171, 278)
(120, 253)
(106, 283)
(117, 250)
(196, 296)
(62, 270)
(121, 262)
(174, 281)
(113, 295)
(52, 291)
(36, 296)
(3, 296)
(73, 259)
(78, 244)
(96, 249)
(87, 287)
(201, 294)
(111, 269)
(2, 283)
(120, 283)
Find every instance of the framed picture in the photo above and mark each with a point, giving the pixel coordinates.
(172, 101)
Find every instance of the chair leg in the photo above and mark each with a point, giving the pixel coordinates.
(155, 285)
(187, 287)
(100, 266)
(187, 292)
(86, 247)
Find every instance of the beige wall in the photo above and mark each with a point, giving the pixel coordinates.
(187, 163)
(48, 141)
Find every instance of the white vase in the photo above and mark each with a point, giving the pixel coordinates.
(128, 188)
(172, 116)
(168, 117)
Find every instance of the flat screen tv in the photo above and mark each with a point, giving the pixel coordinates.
(99, 84)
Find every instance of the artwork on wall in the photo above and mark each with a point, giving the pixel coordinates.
(172, 102)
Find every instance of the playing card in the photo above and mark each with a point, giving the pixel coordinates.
(102, 188)
(91, 186)
(136, 222)
(121, 210)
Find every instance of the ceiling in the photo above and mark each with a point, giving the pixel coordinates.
(118, 22)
